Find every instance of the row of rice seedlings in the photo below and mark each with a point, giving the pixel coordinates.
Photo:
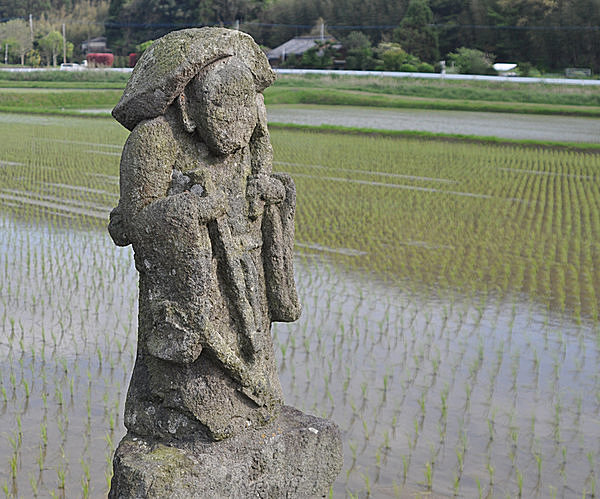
(415, 338)
(489, 258)
(484, 245)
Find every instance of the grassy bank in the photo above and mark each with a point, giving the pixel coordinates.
(501, 91)
(56, 100)
(88, 75)
(341, 97)
(342, 90)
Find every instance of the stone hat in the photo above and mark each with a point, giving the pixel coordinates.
(168, 65)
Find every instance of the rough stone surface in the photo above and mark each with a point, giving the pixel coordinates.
(271, 462)
(212, 230)
(167, 66)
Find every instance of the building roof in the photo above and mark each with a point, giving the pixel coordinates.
(297, 46)
(504, 66)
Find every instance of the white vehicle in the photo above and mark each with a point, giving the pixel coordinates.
(70, 66)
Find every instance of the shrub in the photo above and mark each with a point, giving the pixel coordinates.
(100, 60)
(408, 68)
(527, 69)
(425, 67)
(472, 61)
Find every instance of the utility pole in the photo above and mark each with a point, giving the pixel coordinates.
(5, 52)
(64, 44)
(31, 26)
(322, 30)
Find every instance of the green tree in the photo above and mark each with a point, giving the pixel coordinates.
(51, 46)
(22, 8)
(16, 34)
(472, 61)
(395, 58)
(141, 47)
(451, 17)
(359, 52)
(415, 34)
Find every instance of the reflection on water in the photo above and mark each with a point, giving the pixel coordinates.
(474, 388)
(503, 125)
(455, 339)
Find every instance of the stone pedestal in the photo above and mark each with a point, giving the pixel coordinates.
(296, 456)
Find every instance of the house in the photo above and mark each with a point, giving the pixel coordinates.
(94, 45)
(298, 45)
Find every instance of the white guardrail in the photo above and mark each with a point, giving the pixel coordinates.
(439, 76)
(387, 74)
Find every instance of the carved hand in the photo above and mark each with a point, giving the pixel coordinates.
(263, 190)
(211, 206)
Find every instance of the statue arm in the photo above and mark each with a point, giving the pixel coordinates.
(145, 177)
(145, 173)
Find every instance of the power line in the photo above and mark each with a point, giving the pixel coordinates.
(111, 24)
(525, 28)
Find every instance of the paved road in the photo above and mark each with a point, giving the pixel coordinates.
(509, 126)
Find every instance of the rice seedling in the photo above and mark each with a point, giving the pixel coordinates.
(433, 275)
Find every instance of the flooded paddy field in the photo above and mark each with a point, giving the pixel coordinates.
(450, 322)
(503, 125)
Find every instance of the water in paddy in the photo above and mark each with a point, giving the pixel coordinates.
(449, 393)
(503, 125)
(449, 325)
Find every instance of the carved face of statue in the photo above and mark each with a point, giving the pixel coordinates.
(222, 106)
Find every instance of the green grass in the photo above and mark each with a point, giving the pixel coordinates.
(96, 75)
(401, 93)
(341, 97)
(500, 91)
(62, 84)
(56, 100)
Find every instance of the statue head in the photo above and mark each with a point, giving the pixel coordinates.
(186, 62)
(220, 105)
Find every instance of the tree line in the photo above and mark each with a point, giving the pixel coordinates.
(548, 34)
(31, 31)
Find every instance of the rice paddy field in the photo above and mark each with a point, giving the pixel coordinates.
(450, 324)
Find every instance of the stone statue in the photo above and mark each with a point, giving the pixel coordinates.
(212, 230)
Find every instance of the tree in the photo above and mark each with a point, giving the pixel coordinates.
(472, 61)
(415, 34)
(51, 45)
(16, 34)
(395, 58)
(451, 16)
(359, 53)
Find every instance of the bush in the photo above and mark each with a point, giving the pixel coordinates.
(527, 69)
(424, 67)
(33, 58)
(472, 61)
(392, 56)
(100, 60)
(408, 68)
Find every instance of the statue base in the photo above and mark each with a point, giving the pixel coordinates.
(298, 455)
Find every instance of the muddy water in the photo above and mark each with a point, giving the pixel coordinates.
(502, 125)
(509, 126)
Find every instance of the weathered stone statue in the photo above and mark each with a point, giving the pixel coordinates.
(212, 229)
